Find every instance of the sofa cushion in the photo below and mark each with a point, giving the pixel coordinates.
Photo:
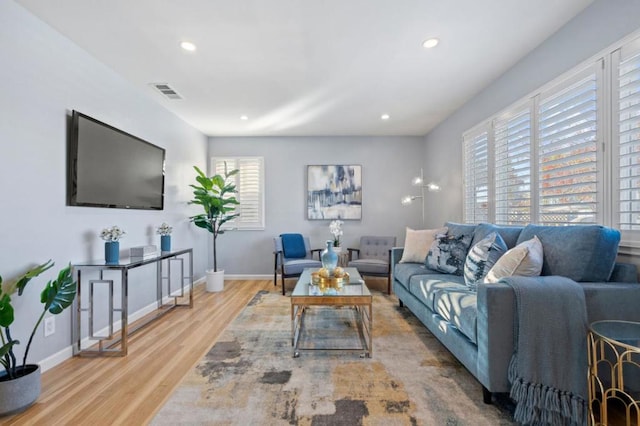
(458, 229)
(525, 259)
(448, 253)
(509, 234)
(425, 287)
(481, 258)
(459, 307)
(417, 243)
(403, 272)
(582, 253)
(372, 266)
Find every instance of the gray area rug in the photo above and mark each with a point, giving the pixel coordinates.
(249, 377)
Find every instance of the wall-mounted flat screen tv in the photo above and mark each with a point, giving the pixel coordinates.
(108, 167)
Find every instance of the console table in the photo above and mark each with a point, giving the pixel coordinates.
(102, 340)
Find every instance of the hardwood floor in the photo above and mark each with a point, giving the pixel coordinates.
(129, 390)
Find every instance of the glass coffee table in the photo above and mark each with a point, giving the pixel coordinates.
(354, 294)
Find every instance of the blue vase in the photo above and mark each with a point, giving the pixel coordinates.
(165, 242)
(329, 258)
(112, 251)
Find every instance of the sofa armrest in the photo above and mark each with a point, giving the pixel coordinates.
(396, 255)
(496, 310)
(612, 301)
(624, 273)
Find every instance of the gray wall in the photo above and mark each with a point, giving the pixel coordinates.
(598, 26)
(388, 164)
(43, 77)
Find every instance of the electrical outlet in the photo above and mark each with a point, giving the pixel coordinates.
(49, 326)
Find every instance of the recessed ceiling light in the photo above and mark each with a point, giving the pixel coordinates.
(430, 42)
(244, 117)
(385, 117)
(187, 45)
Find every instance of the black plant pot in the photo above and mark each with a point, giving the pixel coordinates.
(18, 394)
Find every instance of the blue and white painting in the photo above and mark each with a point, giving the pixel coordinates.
(334, 192)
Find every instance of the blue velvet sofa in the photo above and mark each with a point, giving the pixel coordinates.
(477, 327)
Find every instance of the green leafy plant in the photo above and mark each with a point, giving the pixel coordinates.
(215, 196)
(57, 295)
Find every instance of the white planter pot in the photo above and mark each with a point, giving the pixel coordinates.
(215, 281)
(18, 394)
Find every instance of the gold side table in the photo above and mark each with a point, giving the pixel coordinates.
(614, 373)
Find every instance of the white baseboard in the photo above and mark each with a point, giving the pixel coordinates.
(66, 353)
(55, 359)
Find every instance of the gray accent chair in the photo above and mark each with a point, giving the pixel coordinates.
(373, 257)
(289, 268)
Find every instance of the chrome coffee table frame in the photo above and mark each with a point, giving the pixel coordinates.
(355, 294)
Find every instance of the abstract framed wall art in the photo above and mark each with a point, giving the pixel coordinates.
(334, 192)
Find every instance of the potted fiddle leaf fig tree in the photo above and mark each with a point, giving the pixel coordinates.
(20, 382)
(216, 196)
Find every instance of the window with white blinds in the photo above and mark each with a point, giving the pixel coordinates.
(546, 165)
(627, 123)
(476, 183)
(567, 152)
(513, 167)
(250, 186)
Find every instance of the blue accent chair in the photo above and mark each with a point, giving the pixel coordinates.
(290, 267)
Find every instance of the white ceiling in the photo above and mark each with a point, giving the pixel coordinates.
(302, 67)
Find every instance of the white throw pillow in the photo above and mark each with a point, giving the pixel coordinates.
(417, 243)
(525, 259)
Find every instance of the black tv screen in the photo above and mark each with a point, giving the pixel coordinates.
(111, 168)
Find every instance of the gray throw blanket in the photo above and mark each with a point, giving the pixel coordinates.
(548, 370)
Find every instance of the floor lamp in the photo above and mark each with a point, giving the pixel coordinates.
(419, 182)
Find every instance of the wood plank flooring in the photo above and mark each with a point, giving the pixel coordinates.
(130, 390)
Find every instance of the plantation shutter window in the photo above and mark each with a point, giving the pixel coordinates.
(627, 123)
(539, 161)
(250, 186)
(476, 173)
(513, 167)
(567, 152)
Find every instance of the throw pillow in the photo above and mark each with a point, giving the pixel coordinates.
(417, 243)
(525, 259)
(293, 246)
(481, 258)
(448, 253)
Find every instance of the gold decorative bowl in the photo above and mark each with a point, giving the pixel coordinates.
(329, 282)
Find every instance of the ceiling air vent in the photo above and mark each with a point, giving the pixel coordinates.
(166, 90)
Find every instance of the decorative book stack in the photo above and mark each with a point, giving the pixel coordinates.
(143, 252)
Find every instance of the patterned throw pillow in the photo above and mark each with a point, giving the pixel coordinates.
(448, 253)
(482, 257)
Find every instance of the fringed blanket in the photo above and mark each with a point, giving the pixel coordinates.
(548, 370)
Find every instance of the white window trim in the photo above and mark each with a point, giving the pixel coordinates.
(238, 224)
